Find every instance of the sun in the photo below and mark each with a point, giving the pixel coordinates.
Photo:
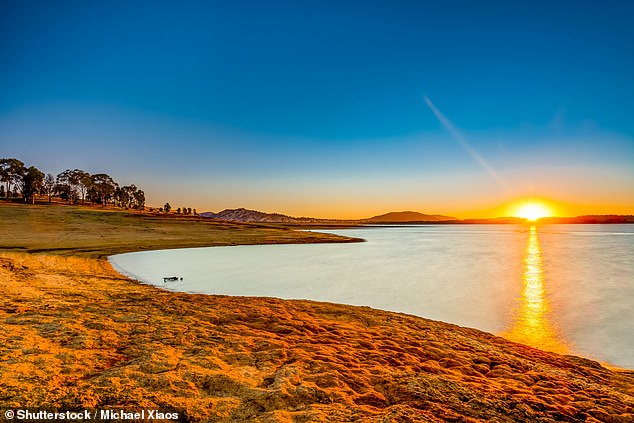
(533, 211)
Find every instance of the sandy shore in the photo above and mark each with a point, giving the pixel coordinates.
(75, 334)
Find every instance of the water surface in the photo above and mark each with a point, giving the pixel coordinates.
(564, 288)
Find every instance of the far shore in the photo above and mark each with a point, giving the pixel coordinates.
(76, 334)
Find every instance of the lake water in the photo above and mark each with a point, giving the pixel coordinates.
(564, 288)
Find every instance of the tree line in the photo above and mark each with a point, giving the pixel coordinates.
(75, 186)
(185, 210)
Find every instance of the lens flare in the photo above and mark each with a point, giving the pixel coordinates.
(532, 211)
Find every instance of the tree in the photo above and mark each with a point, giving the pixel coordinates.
(189, 210)
(130, 196)
(83, 182)
(74, 184)
(71, 185)
(178, 210)
(103, 187)
(11, 171)
(120, 197)
(195, 212)
(139, 199)
(127, 195)
(167, 207)
(49, 186)
(66, 186)
(32, 183)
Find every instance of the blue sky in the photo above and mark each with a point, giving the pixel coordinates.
(318, 107)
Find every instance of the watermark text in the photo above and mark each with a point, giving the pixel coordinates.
(95, 415)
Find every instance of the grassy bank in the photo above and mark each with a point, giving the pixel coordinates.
(95, 232)
(76, 334)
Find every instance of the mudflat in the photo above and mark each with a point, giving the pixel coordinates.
(76, 334)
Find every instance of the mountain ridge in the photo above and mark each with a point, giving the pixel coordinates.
(408, 216)
(246, 215)
(255, 216)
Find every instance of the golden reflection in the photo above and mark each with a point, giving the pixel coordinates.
(531, 325)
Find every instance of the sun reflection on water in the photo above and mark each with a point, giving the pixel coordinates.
(532, 325)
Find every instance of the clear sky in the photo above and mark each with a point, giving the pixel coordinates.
(328, 109)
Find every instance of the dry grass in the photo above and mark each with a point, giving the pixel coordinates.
(76, 334)
(97, 233)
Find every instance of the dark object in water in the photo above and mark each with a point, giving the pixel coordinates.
(171, 278)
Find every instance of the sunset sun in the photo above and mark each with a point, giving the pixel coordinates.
(533, 211)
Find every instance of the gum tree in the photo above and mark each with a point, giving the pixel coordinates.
(103, 187)
(32, 183)
(49, 186)
(11, 172)
(66, 186)
(139, 199)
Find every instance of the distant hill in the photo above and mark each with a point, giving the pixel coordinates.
(603, 218)
(245, 215)
(408, 216)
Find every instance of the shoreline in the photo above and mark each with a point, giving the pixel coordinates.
(568, 348)
(78, 334)
(134, 279)
(252, 358)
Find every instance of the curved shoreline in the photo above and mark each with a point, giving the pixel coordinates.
(77, 334)
(137, 279)
(248, 358)
(290, 273)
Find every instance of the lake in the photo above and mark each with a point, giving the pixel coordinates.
(563, 288)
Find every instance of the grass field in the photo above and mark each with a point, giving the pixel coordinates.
(96, 232)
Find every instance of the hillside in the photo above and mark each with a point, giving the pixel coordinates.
(245, 215)
(408, 216)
